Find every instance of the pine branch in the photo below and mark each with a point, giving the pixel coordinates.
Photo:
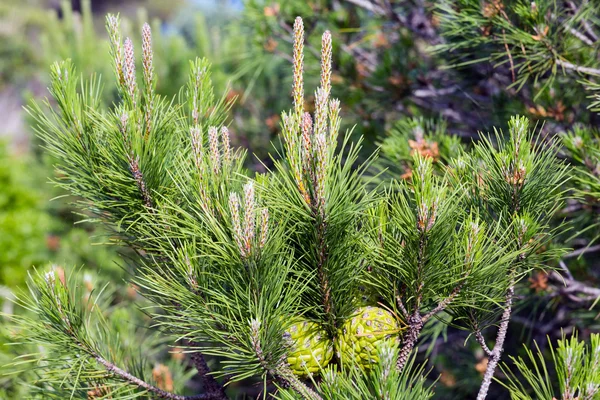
(481, 340)
(496, 353)
(409, 340)
(114, 370)
(571, 288)
(578, 68)
(322, 258)
(292, 380)
(444, 303)
(584, 250)
(210, 384)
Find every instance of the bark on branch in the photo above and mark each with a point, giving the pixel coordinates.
(210, 384)
(496, 353)
(114, 370)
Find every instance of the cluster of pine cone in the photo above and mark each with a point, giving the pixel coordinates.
(356, 342)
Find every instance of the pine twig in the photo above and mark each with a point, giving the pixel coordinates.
(415, 325)
(444, 303)
(289, 378)
(578, 68)
(210, 384)
(496, 353)
(584, 250)
(481, 340)
(401, 306)
(114, 370)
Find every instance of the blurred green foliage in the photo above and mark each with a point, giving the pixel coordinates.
(32, 232)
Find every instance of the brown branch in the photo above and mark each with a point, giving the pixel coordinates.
(424, 93)
(580, 36)
(114, 370)
(409, 340)
(481, 340)
(401, 306)
(496, 353)
(444, 303)
(586, 25)
(584, 250)
(209, 382)
(571, 288)
(578, 68)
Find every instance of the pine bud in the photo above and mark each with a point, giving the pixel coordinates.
(139, 179)
(255, 339)
(215, 155)
(147, 56)
(307, 145)
(123, 127)
(334, 120)
(49, 277)
(198, 75)
(129, 69)
(298, 64)
(264, 227)
(234, 210)
(148, 76)
(226, 145)
(320, 112)
(249, 215)
(321, 171)
(197, 146)
(112, 25)
(326, 62)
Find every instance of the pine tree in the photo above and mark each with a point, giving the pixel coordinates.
(311, 277)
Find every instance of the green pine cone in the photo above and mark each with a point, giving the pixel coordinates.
(310, 349)
(359, 336)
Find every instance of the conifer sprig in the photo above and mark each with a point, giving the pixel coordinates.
(576, 369)
(82, 356)
(521, 185)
